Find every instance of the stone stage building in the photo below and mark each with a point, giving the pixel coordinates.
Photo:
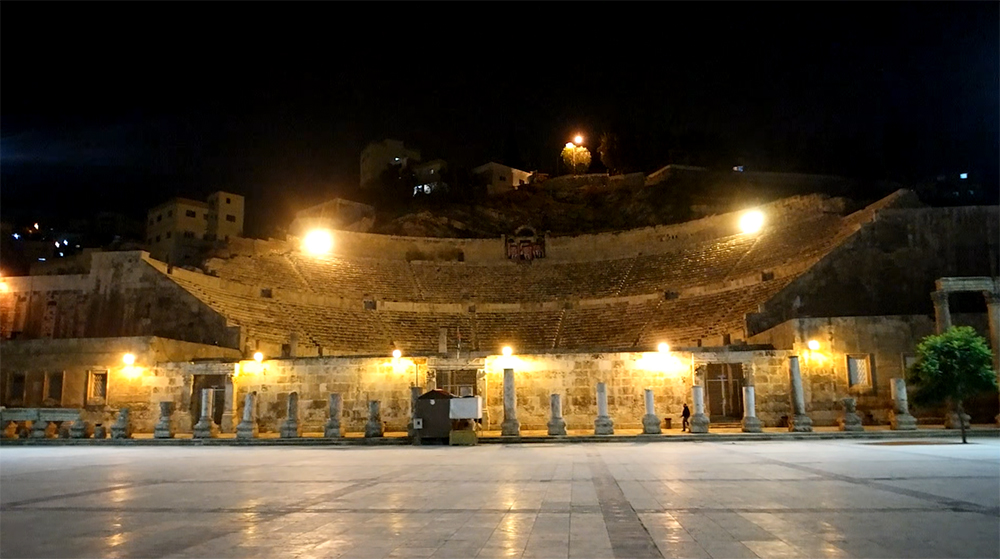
(846, 292)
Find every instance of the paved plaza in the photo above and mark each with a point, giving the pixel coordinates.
(928, 498)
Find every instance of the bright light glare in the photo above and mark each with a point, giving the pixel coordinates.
(664, 347)
(752, 221)
(4, 288)
(578, 139)
(258, 357)
(570, 145)
(396, 354)
(963, 176)
(507, 351)
(128, 359)
(36, 226)
(813, 345)
(318, 241)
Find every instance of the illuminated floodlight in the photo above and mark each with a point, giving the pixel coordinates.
(507, 351)
(318, 241)
(396, 354)
(664, 347)
(813, 345)
(4, 288)
(258, 357)
(578, 139)
(128, 359)
(751, 222)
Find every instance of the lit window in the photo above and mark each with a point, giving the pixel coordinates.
(97, 386)
(859, 371)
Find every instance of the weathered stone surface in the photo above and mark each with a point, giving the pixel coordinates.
(206, 427)
(699, 421)
(603, 425)
(650, 421)
(799, 422)
(122, 428)
(40, 430)
(336, 406)
(247, 428)
(510, 427)
(750, 423)
(951, 420)
(81, 429)
(100, 431)
(900, 418)
(164, 427)
(374, 428)
(850, 421)
(557, 425)
(291, 428)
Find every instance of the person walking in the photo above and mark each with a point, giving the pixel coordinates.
(684, 418)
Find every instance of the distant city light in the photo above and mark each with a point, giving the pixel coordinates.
(36, 226)
(16, 236)
(60, 254)
(752, 221)
(41, 260)
(813, 345)
(963, 176)
(318, 241)
(738, 168)
(57, 244)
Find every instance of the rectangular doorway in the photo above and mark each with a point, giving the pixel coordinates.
(724, 387)
(458, 383)
(218, 384)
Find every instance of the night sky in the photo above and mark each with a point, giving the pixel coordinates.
(119, 106)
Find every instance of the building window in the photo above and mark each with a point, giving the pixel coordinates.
(228, 201)
(503, 178)
(189, 234)
(157, 238)
(170, 213)
(191, 213)
(54, 386)
(231, 218)
(859, 370)
(908, 361)
(168, 234)
(15, 397)
(97, 387)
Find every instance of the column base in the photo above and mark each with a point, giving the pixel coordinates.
(604, 426)
(81, 430)
(800, 424)
(557, 427)
(163, 430)
(902, 422)
(651, 425)
(205, 430)
(40, 430)
(121, 432)
(247, 430)
(951, 420)
(373, 429)
(227, 423)
(699, 423)
(850, 422)
(332, 430)
(751, 425)
(510, 428)
(100, 432)
(290, 430)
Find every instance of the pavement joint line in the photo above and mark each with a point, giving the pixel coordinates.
(630, 539)
(950, 504)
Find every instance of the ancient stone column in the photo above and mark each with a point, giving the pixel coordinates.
(650, 422)
(942, 312)
(374, 428)
(799, 422)
(290, 428)
(229, 407)
(122, 428)
(557, 425)
(603, 425)
(993, 314)
(206, 427)
(699, 421)
(164, 429)
(81, 429)
(414, 396)
(183, 412)
(900, 418)
(247, 429)
(332, 428)
(510, 427)
(750, 422)
(851, 421)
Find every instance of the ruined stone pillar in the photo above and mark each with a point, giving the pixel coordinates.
(206, 427)
(650, 422)
(81, 429)
(900, 418)
(164, 429)
(40, 429)
(851, 421)
(942, 312)
(291, 429)
(122, 428)
(374, 428)
(699, 421)
(332, 428)
(603, 425)
(229, 407)
(557, 425)
(799, 422)
(247, 429)
(414, 395)
(184, 410)
(750, 423)
(993, 313)
(510, 427)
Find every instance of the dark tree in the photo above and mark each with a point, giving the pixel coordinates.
(610, 153)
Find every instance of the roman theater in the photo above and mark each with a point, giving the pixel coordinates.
(842, 294)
